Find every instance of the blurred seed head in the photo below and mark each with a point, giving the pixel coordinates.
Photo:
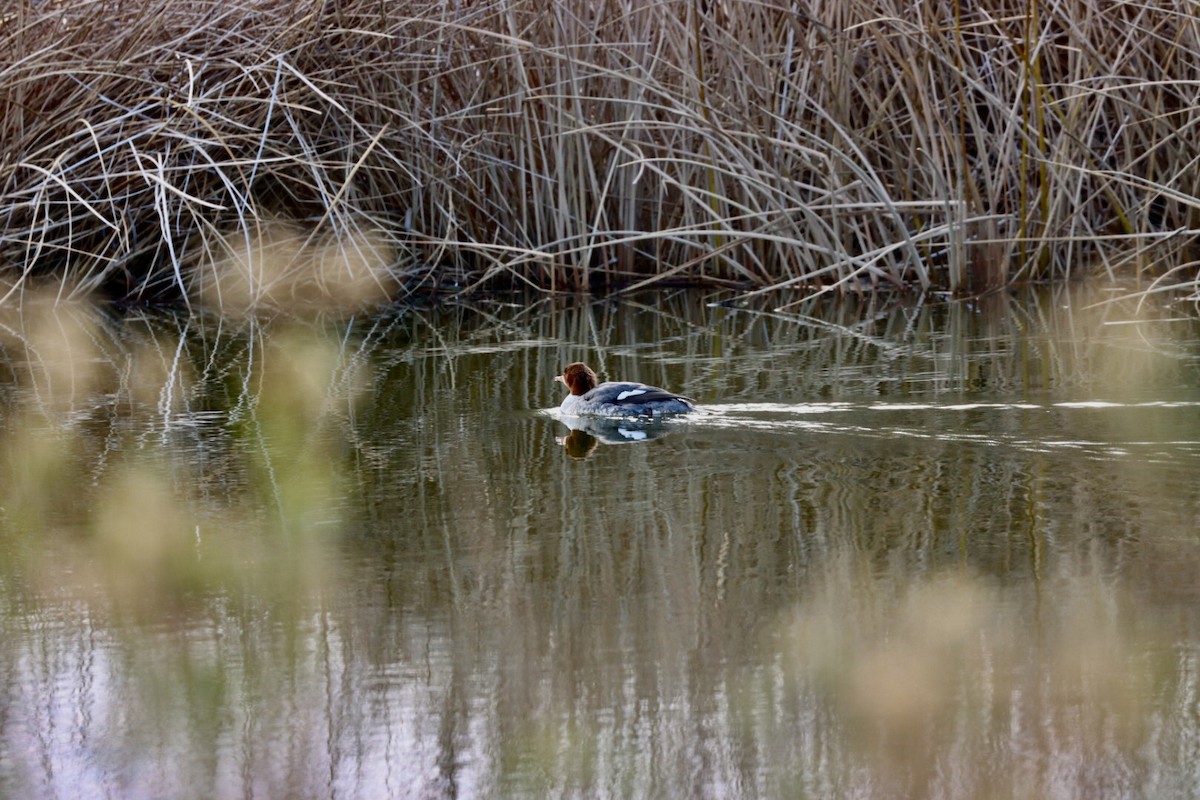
(56, 348)
(278, 266)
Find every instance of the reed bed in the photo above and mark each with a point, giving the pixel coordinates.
(149, 145)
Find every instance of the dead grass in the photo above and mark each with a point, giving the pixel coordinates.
(764, 145)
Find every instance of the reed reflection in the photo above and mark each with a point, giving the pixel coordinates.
(911, 552)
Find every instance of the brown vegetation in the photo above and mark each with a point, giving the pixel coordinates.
(761, 145)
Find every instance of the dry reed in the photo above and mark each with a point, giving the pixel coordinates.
(760, 145)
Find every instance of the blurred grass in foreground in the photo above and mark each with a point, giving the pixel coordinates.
(159, 476)
(954, 685)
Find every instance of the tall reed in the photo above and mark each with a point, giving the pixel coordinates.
(761, 145)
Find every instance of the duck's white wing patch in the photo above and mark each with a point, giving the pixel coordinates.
(630, 393)
(634, 435)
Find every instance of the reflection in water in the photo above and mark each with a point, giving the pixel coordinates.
(936, 551)
(587, 432)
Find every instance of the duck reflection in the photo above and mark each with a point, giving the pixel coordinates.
(587, 432)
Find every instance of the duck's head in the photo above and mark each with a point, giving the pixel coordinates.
(578, 378)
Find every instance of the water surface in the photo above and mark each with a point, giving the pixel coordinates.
(941, 550)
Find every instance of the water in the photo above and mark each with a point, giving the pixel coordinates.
(924, 551)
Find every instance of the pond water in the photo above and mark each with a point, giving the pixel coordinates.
(939, 550)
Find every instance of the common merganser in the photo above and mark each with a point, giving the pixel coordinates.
(616, 398)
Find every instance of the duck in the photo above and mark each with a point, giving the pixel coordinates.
(588, 397)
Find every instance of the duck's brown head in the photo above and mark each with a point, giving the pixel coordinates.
(578, 378)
